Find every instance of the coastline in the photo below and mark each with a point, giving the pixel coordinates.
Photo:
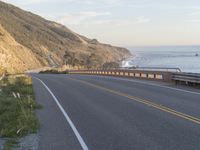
(182, 57)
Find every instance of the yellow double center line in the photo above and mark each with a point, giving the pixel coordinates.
(143, 101)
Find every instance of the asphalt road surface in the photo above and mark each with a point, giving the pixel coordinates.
(107, 113)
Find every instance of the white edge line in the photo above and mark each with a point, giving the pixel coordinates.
(152, 84)
(80, 139)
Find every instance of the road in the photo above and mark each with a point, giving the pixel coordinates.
(107, 113)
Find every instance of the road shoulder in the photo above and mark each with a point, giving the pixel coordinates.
(55, 132)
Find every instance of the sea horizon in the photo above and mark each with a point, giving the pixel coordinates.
(183, 57)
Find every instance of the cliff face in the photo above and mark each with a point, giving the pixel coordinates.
(28, 41)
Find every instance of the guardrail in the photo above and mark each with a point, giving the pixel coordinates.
(142, 74)
(169, 69)
(188, 78)
(167, 76)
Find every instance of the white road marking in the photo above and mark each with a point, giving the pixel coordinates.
(152, 84)
(80, 139)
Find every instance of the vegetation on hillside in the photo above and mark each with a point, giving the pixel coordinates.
(53, 71)
(111, 65)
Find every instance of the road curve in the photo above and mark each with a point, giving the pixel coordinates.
(105, 113)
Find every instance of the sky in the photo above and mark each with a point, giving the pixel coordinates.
(124, 22)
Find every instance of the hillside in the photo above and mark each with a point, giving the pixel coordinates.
(14, 56)
(28, 41)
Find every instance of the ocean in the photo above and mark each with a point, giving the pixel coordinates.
(183, 57)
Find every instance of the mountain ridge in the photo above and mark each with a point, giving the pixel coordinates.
(41, 37)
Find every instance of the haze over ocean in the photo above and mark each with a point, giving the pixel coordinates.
(182, 57)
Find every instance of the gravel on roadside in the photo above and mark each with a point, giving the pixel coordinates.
(2, 142)
(29, 142)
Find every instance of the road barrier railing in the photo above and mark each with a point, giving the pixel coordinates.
(168, 69)
(142, 74)
(167, 76)
(188, 78)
